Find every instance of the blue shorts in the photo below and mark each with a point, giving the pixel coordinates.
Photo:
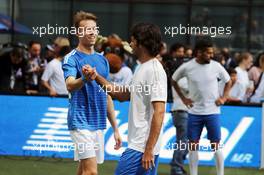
(130, 164)
(197, 122)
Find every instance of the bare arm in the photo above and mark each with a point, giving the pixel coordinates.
(177, 89)
(227, 89)
(155, 128)
(73, 84)
(112, 119)
(188, 102)
(46, 84)
(120, 93)
(156, 123)
(223, 99)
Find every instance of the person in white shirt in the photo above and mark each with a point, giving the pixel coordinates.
(236, 93)
(52, 77)
(148, 95)
(245, 61)
(203, 102)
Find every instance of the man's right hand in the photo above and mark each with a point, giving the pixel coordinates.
(89, 72)
(53, 93)
(188, 102)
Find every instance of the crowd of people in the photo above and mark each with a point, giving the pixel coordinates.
(27, 70)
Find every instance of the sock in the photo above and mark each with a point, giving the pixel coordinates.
(193, 162)
(219, 161)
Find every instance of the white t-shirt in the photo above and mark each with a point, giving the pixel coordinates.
(148, 84)
(243, 79)
(53, 73)
(122, 77)
(177, 102)
(203, 85)
(237, 91)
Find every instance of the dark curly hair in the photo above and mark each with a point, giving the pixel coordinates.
(149, 36)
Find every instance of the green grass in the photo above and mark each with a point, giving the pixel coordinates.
(51, 166)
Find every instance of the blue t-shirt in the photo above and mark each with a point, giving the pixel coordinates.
(88, 105)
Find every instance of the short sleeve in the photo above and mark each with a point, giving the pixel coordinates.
(158, 83)
(69, 67)
(224, 76)
(179, 73)
(47, 73)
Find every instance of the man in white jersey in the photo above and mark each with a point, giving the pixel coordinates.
(148, 94)
(204, 100)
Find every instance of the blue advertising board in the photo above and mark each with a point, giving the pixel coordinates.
(37, 126)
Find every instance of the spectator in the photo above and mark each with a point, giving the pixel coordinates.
(163, 51)
(53, 78)
(33, 67)
(256, 69)
(180, 120)
(244, 63)
(229, 61)
(258, 92)
(188, 52)
(172, 62)
(13, 71)
(236, 93)
(49, 53)
(59, 43)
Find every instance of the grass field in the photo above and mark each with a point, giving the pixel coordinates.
(51, 166)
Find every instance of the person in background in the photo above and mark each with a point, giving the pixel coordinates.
(172, 62)
(49, 53)
(258, 92)
(52, 78)
(13, 71)
(236, 93)
(33, 67)
(257, 68)
(203, 102)
(244, 63)
(59, 42)
(188, 52)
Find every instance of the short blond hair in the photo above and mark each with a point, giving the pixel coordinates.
(81, 15)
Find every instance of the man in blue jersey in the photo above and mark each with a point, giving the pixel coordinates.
(88, 105)
(148, 94)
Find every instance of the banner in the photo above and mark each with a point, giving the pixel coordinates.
(37, 126)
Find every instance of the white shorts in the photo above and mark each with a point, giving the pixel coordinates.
(88, 144)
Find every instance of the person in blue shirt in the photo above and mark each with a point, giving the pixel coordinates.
(88, 104)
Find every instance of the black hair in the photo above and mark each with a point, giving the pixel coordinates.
(31, 43)
(149, 36)
(256, 62)
(231, 71)
(202, 45)
(175, 47)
